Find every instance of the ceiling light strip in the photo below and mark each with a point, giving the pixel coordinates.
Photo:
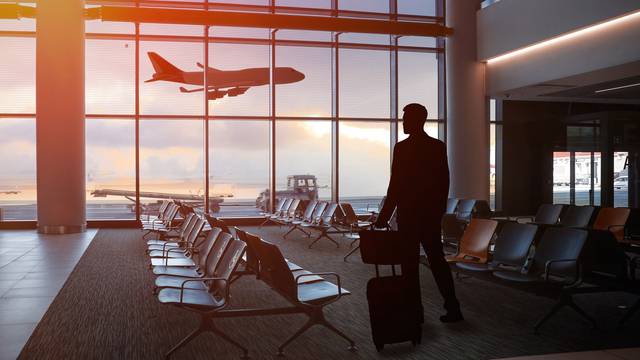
(571, 35)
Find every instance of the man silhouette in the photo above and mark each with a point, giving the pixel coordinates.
(419, 188)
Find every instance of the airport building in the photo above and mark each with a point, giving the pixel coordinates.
(176, 167)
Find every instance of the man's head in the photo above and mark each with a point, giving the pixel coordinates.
(414, 118)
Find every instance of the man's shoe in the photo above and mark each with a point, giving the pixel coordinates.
(451, 317)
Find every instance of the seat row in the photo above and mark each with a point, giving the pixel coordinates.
(553, 259)
(324, 217)
(195, 270)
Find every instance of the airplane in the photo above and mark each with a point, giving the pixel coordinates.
(220, 82)
(9, 192)
(194, 200)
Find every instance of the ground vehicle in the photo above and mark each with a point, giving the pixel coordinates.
(303, 187)
(621, 182)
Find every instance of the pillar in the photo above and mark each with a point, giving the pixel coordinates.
(60, 147)
(467, 120)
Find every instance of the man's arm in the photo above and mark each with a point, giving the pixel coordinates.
(392, 192)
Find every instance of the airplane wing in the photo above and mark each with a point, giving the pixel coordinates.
(155, 195)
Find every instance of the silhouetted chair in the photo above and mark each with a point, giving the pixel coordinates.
(180, 256)
(511, 248)
(214, 222)
(173, 241)
(281, 208)
(613, 220)
(309, 297)
(576, 216)
(474, 244)
(213, 297)
(464, 210)
(307, 217)
(324, 224)
(482, 210)
(197, 270)
(547, 214)
(555, 267)
(214, 249)
(452, 204)
(162, 225)
(171, 250)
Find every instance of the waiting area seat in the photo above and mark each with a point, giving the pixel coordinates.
(196, 272)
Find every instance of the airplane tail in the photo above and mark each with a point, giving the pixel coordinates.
(162, 66)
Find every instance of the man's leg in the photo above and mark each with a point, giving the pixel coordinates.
(442, 275)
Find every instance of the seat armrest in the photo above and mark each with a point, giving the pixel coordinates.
(549, 264)
(518, 218)
(325, 274)
(226, 288)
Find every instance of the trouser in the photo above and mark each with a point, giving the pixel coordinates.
(430, 239)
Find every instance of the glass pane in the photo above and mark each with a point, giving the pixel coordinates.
(18, 75)
(111, 168)
(17, 178)
(303, 148)
(324, 4)
(430, 127)
(364, 163)
(23, 24)
(417, 7)
(110, 85)
(243, 69)
(239, 165)
(492, 166)
(171, 161)
(419, 41)
(586, 167)
(561, 177)
(364, 83)
(164, 97)
(310, 97)
(364, 5)
(170, 29)
(418, 81)
(621, 179)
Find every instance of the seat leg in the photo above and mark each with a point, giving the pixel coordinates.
(290, 231)
(632, 310)
(300, 331)
(187, 339)
(559, 305)
(328, 325)
(324, 235)
(350, 253)
(224, 336)
(583, 313)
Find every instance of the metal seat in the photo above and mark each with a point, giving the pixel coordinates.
(309, 297)
(547, 214)
(511, 248)
(474, 245)
(307, 217)
(211, 260)
(195, 271)
(212, 299)
(576, 216)
(555, 268)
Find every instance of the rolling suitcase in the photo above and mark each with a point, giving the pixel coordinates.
(394, 307)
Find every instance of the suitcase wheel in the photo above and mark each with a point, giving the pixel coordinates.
(379, 346)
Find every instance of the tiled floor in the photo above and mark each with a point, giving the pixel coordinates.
(33, 268)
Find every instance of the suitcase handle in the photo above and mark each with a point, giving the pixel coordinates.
(393, 270)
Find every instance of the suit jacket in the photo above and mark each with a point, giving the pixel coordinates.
(419, 185)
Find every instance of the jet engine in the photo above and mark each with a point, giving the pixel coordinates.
(237, 91)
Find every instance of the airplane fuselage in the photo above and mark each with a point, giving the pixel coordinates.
(219, 79)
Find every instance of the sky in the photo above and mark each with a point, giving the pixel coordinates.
(171, 153)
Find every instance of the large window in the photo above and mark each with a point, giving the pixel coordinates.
(330, 123)
(17, 123)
